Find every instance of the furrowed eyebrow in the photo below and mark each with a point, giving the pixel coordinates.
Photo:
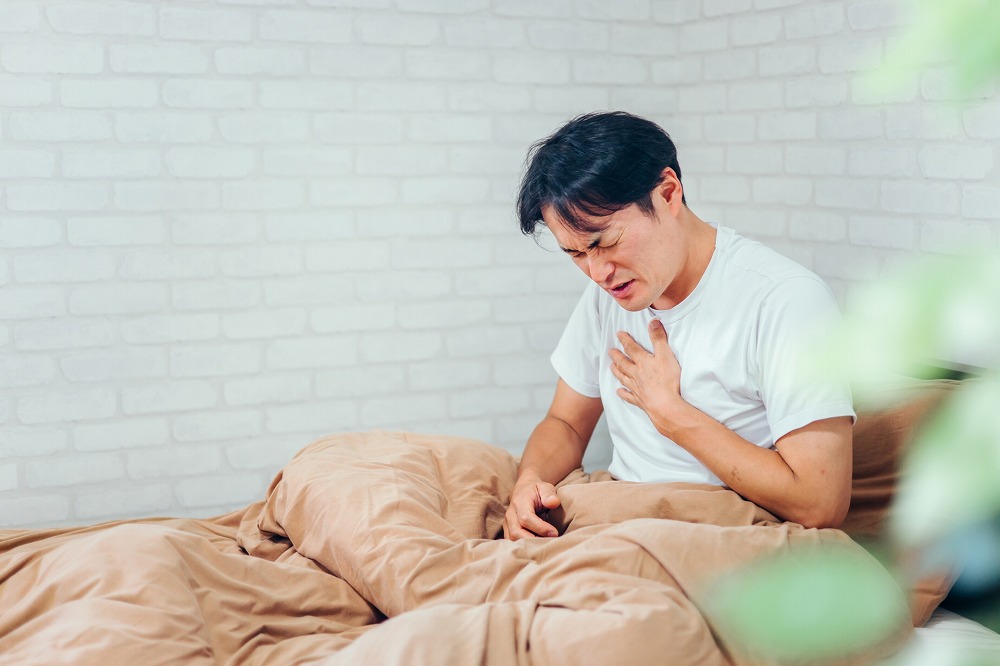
(593, 244)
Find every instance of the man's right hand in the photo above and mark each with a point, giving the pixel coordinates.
(554, 449)
(530, 498)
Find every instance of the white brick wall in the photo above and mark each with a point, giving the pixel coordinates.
(228, 227)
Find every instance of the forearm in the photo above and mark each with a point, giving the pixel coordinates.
(554, 450)
(763, 476)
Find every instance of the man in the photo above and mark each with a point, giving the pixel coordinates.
(695, 341)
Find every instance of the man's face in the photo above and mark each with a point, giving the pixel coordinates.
(637, 257)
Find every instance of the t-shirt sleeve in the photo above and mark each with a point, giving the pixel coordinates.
(796, 336)
(577, 357)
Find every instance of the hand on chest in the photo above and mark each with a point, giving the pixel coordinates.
(714, 357)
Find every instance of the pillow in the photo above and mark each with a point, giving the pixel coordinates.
(881, 435)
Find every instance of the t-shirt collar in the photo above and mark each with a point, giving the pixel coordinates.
(693, 299)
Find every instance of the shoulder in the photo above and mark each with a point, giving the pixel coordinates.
(760, 270)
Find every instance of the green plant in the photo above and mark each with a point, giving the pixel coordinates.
(948, 505)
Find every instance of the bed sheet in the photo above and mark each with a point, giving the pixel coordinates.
(948, 639)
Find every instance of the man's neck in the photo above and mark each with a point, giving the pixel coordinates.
(701, 247)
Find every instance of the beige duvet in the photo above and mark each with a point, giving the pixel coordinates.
(383, 548)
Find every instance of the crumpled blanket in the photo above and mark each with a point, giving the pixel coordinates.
(383, 548)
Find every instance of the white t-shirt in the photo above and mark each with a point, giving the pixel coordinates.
(746, 339)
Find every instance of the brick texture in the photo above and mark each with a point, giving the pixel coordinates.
(230, 226)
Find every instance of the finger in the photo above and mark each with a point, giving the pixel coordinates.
(622, 378)
(620, 360)
(508, 530)
(629, 345)
(627, 396)
(507, 524)
(549, 498)
(658, 336)
(513, 530)
(522, 514)
(536, 526)
(515, 533)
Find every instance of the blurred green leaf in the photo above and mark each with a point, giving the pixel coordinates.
(951, 477)
(808, 605)
(961, 32)
(936, 310)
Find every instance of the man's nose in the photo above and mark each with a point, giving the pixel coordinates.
(599, 269)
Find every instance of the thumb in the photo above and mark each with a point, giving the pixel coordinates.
(550, 499)
(657, 335)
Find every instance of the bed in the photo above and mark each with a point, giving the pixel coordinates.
(383, 548)
(950, 639)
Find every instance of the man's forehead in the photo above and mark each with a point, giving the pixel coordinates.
(565, 233)
(571, 240)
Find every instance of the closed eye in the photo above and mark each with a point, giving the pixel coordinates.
(577, 254)
(612, 244)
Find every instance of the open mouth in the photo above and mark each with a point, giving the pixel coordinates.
(621, 289)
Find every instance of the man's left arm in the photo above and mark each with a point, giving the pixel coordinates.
(805, 479)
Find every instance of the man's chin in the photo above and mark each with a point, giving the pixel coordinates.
(632, 304)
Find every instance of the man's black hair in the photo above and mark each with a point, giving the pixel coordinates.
(593, 166)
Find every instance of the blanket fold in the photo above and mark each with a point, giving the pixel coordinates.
(411, 522)
(386, 548)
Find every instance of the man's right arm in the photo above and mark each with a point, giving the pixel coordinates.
(555, 449)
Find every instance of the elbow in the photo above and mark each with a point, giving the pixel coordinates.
(818, 520)
(820, 516)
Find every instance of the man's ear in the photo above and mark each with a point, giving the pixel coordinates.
(671, 190)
